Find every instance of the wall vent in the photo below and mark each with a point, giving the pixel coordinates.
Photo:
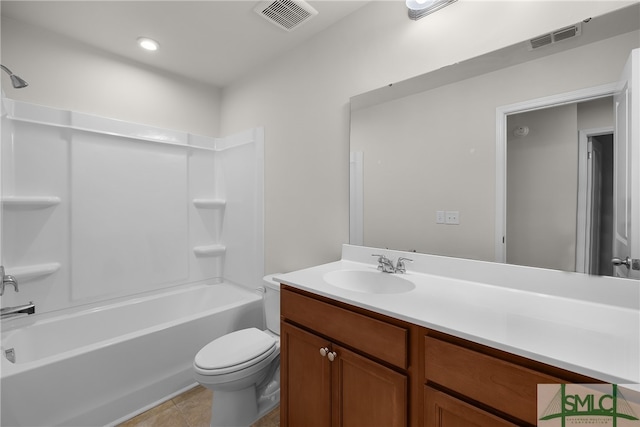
(556, 36)
(286, 14)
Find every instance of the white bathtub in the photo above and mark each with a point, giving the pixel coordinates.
(102, 365)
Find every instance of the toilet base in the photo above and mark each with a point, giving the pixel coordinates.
(241, 408)
(234, 408)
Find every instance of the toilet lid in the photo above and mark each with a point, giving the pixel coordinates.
(235, 348)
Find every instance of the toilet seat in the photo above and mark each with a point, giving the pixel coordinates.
(234, 352)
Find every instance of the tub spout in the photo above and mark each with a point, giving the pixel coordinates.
(8, 312)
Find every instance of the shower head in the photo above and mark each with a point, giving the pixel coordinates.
(16, 81)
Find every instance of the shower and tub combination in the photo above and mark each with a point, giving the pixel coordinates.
(136, 247)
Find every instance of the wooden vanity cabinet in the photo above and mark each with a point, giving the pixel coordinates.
(444, 410)
(473, 385)
(340, 367)
(345, 366)
(305, 379)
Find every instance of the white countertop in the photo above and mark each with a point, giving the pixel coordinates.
(530, 319)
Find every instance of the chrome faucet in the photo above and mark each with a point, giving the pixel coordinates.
(7, 280)
(400, 267)
(386, 265)
(8, 312)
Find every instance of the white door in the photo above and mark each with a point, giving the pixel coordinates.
(626, 231)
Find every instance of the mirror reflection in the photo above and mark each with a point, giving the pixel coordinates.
(426, 167)
(547, 151)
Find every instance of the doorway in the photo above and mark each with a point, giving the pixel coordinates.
(559, 186)
(594, 248)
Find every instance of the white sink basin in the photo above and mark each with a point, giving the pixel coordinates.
(371, 282)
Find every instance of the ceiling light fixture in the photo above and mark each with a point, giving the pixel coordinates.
(421, 8)
(148, 44)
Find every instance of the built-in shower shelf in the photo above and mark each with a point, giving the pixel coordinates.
(209, 203)
(30, 272)
(21, 202)
(209, 250)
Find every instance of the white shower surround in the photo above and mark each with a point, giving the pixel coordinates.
(96, 209)
(131, 241)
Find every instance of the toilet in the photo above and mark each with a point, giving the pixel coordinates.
(243, 368)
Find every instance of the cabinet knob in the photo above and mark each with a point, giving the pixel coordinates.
(324, 351)
(332, 356)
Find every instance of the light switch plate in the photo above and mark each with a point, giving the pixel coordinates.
(440, 218)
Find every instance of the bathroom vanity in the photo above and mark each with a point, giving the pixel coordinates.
(339, 363)
(446, 352)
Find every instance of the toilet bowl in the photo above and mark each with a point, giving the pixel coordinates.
(243, 368)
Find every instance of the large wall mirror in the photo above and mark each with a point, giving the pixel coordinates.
(485, 159)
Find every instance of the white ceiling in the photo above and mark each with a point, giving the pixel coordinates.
(210, 41)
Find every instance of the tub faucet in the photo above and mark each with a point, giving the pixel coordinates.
(8, 312)
(6, 279)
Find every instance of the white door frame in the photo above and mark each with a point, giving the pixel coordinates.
(3, 112)
(626, 235)
(502, 112)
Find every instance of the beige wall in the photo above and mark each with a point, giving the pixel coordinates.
(595, 114)
(69, 75)
(302, 98)
(542, 185)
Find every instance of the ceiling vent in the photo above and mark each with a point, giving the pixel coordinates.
(286, 14)
(556, 36)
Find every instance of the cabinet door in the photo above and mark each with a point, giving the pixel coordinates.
(442, 410)
(366, 393)
(305, 379)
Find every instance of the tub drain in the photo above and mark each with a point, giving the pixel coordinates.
(10, 355)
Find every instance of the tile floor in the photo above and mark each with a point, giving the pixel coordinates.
(190, 409)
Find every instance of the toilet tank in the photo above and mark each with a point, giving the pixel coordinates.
(272, 303)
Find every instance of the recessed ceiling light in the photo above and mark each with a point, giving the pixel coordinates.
(148, 44)
(421, 8)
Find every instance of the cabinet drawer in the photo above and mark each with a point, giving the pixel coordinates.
(379, 339)
(442, 410)
(505, 386)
